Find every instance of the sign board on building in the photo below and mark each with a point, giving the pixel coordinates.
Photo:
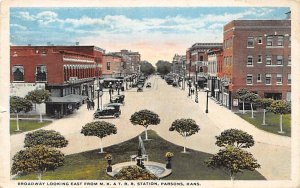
(235, 102)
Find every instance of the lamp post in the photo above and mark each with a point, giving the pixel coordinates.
(189, 83)
(98, 91)
(110, 91)
(101, 92)
(196, 84)
(206, 90)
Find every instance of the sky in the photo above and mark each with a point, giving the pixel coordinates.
(157, 33)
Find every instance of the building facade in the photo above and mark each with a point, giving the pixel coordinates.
(197, 62)
(67, 72)
(112, 66)
(257, 56)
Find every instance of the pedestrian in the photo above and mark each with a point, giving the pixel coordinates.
(88, 104)
(92, 105)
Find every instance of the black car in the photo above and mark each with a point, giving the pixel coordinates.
(148, 85)
(109, 110)
(118, 99)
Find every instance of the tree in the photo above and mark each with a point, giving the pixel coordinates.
(134, 173)
(48, 138)
(38, 159)
(185, 127)
(38, 96)
(145, 118)
(233, 160)
(235, 137)
(251, 98)
(241, 94)
(163, 67)
(19, 104)
(147, 68)
(280, 107)
(100, 129)
(265, 103)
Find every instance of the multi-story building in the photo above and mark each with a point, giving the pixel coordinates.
(257, 56)
(214, 71)
(131, 61)
(197, 59)
(178, 64)
(112, 65)
(68, 72)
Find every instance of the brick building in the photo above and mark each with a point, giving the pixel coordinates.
(257, 56)
(131, 60)
(197, 60)
(113, 65)
(68, 72)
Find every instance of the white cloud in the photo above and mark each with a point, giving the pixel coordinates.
(26, 16)
(47, 17)
(17, 26)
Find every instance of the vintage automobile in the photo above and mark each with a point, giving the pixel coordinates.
(148, 85)
(109, 110)
(140, 88)
(118, 99)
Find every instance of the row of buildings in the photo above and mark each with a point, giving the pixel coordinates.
(70, 73)
(255, 54)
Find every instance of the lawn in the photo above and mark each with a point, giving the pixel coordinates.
(26, 125)
(91, 165)
(272, 121)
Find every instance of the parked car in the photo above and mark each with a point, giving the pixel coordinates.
(109, 110)
(118, 99)
(148, 85)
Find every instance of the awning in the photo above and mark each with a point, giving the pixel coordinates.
(67, 99)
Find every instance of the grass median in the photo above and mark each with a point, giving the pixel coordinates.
(91, 165)
(272, 122)
(26, 125)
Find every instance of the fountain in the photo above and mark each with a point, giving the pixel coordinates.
(142, 160)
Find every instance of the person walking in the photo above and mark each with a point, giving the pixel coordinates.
(92, 105)
(88, 104)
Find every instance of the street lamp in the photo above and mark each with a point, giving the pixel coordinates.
(206, 90)
(196, 84)
(101, 92)
(110, 91)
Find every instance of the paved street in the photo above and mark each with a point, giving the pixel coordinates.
(271, 151)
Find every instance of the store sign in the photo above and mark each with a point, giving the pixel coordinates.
(235, 102)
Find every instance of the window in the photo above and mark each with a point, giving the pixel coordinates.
(268, 79)
(108, 66)
(268, 60)
(289, 61)
(279, 60)
(289, 79)
(249, 79)
(250, 42)
(259, 40)
(249, 61)
(289, 41)
(41, 73)
(279, 79)
(280, 41)
(18, 72)
(258, 77)
(259, 59)
(269, 41)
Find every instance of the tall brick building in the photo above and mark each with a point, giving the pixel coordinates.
(257, 56)
(68, 72)
(113, 65)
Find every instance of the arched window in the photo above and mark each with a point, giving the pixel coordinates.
(18, 73)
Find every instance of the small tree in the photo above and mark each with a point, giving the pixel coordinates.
(241, 94)
(233, 160)
(48, 138)
(145, 118)
(280, 107)
(100, 129)
(185, 127)
(38, 159)
(252, 99)
(38, 96)
(235, 137)
(19, 104)
(134, 173)
(265, 103)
